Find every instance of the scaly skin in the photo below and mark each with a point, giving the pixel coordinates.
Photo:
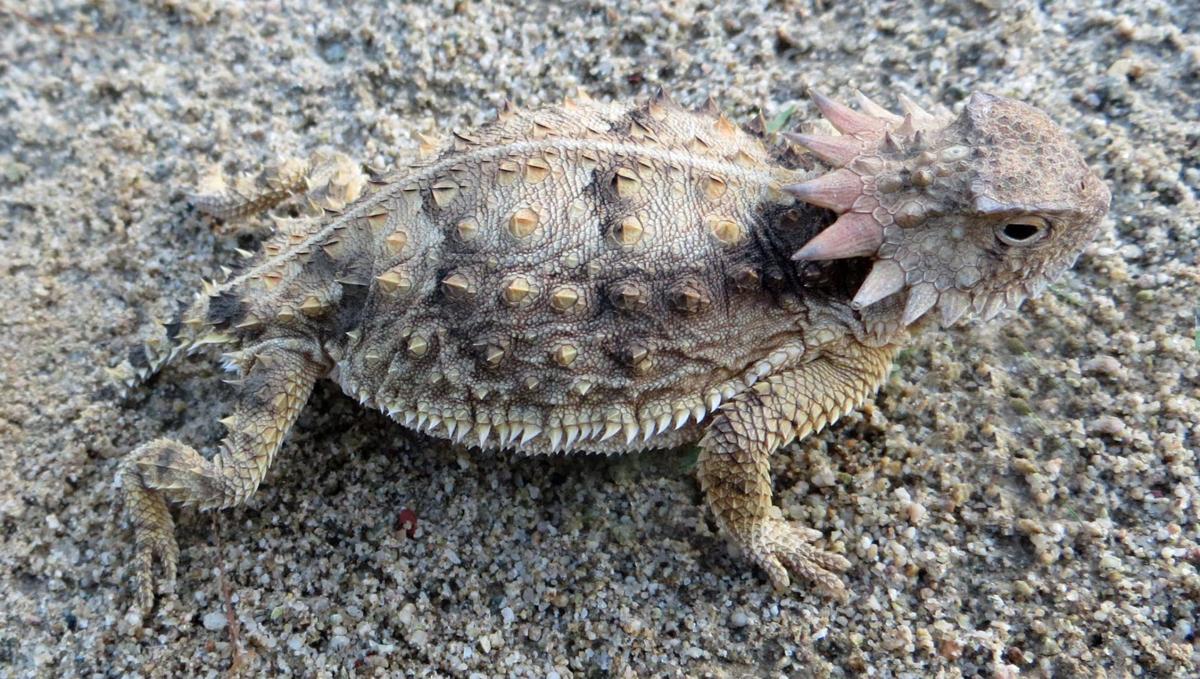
(589, 277)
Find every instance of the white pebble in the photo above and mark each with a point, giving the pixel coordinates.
(405, 616)
(823, 478)
(916, 512)
(215, 621)
(1104, 365)
(1107, 424)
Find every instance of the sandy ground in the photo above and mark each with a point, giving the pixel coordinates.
(1022, 498)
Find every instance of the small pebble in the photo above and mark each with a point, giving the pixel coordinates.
(1103, 365)
(1107, 424)
(824, 478)
(215, 621)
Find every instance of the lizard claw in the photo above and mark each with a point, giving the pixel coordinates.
(779, 547)
(150, 546)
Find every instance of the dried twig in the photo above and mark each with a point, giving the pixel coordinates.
(235, 631)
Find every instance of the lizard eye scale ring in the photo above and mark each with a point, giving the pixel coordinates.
(1023, 230)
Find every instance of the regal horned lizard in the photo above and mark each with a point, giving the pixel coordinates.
(595, 277)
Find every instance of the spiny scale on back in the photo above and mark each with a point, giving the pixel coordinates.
(600, 278)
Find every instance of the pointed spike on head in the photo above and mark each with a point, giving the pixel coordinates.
(869, 107)
(889, 143)
(710, 106)
(854, 234)
(507, 110)
(844, 118)
(952, 304)
(757, 125)
(994, 306)
(911, 108)
(837, 151)
(724, 125)
(663, 97)
(836, 190)
(920, 300)
(886, 278)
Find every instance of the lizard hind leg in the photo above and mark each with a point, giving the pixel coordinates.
(271, 397)
(328, 180)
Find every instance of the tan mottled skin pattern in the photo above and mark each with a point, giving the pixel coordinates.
(592, 277)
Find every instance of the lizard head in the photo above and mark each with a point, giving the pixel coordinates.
(974, 212)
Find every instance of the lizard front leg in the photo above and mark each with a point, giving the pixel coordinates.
(271, 396)
(734, 465)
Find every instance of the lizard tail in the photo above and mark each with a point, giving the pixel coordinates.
(187, 331)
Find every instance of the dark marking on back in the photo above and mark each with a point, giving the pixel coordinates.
(607, 206)
(138, 358)
(167, 457)
(322, 265)
(785, 230)
(225, 309)
(348, 315)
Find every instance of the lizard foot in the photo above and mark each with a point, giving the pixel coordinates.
(153, 527)
(778, 547)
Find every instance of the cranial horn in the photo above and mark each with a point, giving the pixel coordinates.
(953, 304)
(833, 150)
(920, 300)
(921, 117)
(886, 278)
(854, 234)
(844, 118)
(836, 190)
(869, 106)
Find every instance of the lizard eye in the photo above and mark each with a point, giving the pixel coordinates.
(1023, 230)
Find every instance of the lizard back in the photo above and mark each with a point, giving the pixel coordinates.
(582, 276)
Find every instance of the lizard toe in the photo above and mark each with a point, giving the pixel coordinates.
(780, 548)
